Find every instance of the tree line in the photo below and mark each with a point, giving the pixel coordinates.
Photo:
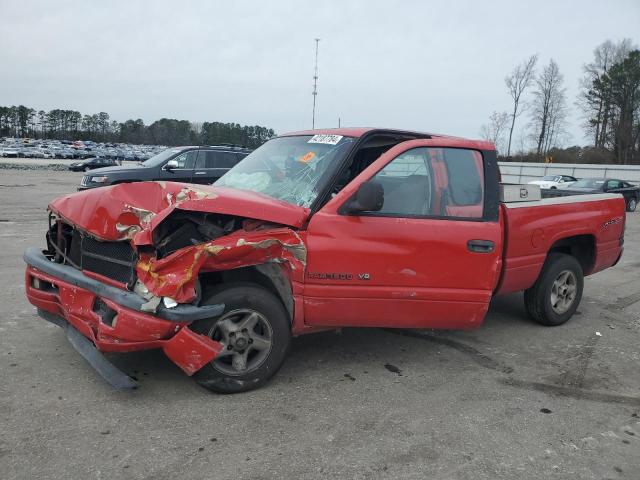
(20, 121)
(609, 101)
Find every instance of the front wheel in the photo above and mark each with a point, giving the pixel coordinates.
(632, 204)
(255, 332)
(555, 296)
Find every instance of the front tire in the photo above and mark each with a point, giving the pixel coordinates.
(256, 333)
(555, 296)
(632, 204)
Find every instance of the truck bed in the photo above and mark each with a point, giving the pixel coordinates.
(589, 227)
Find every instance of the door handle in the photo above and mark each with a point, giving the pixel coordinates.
(481, 246)
(201, 173)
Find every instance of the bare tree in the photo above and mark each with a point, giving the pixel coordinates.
(495, 129)
(548, 114)
(517, 82)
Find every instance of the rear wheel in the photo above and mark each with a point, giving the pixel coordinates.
(632, 204)
(555, 296)
(255, 332)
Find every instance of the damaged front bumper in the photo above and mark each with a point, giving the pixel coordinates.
(102, 318)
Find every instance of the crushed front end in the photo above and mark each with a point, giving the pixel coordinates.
(123, 266)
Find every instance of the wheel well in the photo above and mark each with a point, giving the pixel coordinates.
(267, 275)
(582, 247)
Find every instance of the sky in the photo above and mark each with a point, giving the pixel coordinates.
(435, 66)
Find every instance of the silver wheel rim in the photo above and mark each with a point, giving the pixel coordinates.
(246, 336)
(563, 291)
(632, 204)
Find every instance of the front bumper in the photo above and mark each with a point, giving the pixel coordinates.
(112, 320)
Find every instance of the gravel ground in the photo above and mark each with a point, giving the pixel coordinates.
(509, 400)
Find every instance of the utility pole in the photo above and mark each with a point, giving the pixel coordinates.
(315, 87)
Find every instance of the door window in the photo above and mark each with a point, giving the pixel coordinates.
(207, 159)
(186, 159)
(433, 182)
(613, 184)
(226, 159)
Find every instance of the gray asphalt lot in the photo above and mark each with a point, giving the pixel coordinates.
(509, 400)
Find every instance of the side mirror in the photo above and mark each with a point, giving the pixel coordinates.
(368, 198)
(170, 165)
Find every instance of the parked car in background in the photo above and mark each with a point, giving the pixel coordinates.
(630, 192)
(65, 149)
(554, 181)
(10, 151)
(91, 164)
(46, 153)
(180, 164)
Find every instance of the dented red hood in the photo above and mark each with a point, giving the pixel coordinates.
(133, 210)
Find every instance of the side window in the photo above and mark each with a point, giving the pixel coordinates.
(433, 182)
(226, 159)
(207, 159)
(186, 159)
(465, 177)
(611, 184)
(407, 184)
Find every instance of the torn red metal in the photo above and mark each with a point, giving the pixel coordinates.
(129, 331)
(175, 276)
(191, 351)
(134, 210)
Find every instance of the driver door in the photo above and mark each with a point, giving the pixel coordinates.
(430, 258)
(184, 171)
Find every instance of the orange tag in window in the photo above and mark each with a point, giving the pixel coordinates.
(307, 157)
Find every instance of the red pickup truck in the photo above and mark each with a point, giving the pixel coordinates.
(314, 230)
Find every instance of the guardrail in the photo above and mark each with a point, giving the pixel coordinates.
(523, 172)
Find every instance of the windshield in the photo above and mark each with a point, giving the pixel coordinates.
(291, 169)
(588, 183)
(161, 157)
(550, 178)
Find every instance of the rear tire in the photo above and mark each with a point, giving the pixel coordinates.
(256, 333)
(556, 295)
(632, 204)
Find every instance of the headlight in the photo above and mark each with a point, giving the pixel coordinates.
(100, 179)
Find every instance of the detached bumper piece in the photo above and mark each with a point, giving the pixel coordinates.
(102, 318)
(115, 377)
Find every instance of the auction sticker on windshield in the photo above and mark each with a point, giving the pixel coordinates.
(326, 139)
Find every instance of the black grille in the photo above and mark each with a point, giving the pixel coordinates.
(115, 260)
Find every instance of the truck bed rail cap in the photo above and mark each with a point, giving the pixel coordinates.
(590, 197)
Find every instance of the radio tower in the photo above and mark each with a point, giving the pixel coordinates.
(315, 88)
